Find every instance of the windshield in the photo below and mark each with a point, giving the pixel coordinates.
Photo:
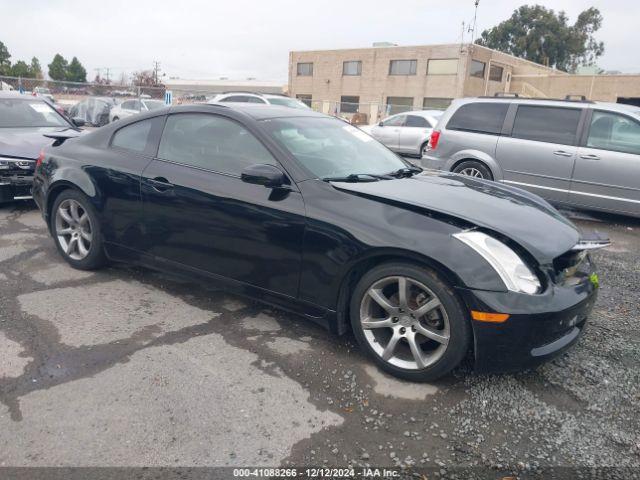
(332, 148)
(18, 112)
(288, 102)
(154, 104)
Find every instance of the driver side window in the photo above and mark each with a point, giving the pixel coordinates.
(211, 142)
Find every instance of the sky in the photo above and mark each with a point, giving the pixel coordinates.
(240, 38)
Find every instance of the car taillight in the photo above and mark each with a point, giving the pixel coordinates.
(40, 158)
(433, 141)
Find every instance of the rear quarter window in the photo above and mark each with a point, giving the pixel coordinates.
(133, 137)
(483, 117)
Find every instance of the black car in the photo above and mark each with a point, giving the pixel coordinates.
(312, 215)
(24, 122)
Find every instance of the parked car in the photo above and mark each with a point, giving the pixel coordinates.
(43, 92)
(133, 107)
(577, 153)
(407, 133)
(308, 213)
(263, 98)
(24, 122)
(94, 110)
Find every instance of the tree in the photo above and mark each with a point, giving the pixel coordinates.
(21, 69)
(5, 63)
(58, 68)
(35, 68)
(76, 72)
(543, 36)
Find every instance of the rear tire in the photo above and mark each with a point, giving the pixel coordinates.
(423, 149)
(420, 335)
(473, 168)
(115, 119)
(76, 230)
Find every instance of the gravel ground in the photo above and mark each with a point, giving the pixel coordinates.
(127, 367)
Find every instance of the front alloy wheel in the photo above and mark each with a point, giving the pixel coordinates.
(410, 321)
(404, 322)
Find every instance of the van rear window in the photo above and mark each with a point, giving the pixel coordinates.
(482, 117)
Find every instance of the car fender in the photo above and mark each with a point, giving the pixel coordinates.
(471, 154)
(68, 178)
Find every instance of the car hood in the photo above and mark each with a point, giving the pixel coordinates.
(25, 142)
(524, 217)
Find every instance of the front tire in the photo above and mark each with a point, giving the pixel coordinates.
(76, 231)
(409, 321)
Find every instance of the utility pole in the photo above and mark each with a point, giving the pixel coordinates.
(156, 71)
(97, 72)
(107, 74)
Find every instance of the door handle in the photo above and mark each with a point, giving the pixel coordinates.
(562, 153)
(160, 184)
(590, 157)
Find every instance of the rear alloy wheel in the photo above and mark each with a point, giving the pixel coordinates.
(410, 322)
(424, 150)
(76, 231)
(471, 168)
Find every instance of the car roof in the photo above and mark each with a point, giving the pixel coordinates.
(552, 102)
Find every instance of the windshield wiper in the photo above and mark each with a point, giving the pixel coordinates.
(405, 172)
(357, 177)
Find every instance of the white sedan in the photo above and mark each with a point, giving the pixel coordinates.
(131, 107)
(407, 132)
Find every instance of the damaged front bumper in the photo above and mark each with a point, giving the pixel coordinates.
(16, 179)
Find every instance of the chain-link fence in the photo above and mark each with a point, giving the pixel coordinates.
(367, 113)
(94, 102)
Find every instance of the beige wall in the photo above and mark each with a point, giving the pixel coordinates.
(375, 84)
(605, 88)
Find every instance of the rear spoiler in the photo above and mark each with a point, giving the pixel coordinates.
(62, 136)
(592, 241)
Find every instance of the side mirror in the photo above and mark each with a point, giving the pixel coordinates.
(381, 124)
(266, 175)
(78, 122)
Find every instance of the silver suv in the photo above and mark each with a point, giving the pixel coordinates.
(576, 153)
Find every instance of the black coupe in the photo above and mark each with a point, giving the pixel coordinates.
(308, 213)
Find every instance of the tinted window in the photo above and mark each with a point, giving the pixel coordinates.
(305, 69)
(133, 137)
(352, 68)
(403, 67)
(211, 142)
(349, 104)
(479, 117)
(546, 124)
(495, 73)
(305, 98)
(128, 105)
(611, 131)
(477, 69)
(415, 121)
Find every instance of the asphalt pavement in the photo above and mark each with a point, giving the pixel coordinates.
(129, 367)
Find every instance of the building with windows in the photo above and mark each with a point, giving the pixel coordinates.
(397, 78)
(386, 79)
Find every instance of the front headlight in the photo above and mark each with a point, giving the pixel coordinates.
(515, 274)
